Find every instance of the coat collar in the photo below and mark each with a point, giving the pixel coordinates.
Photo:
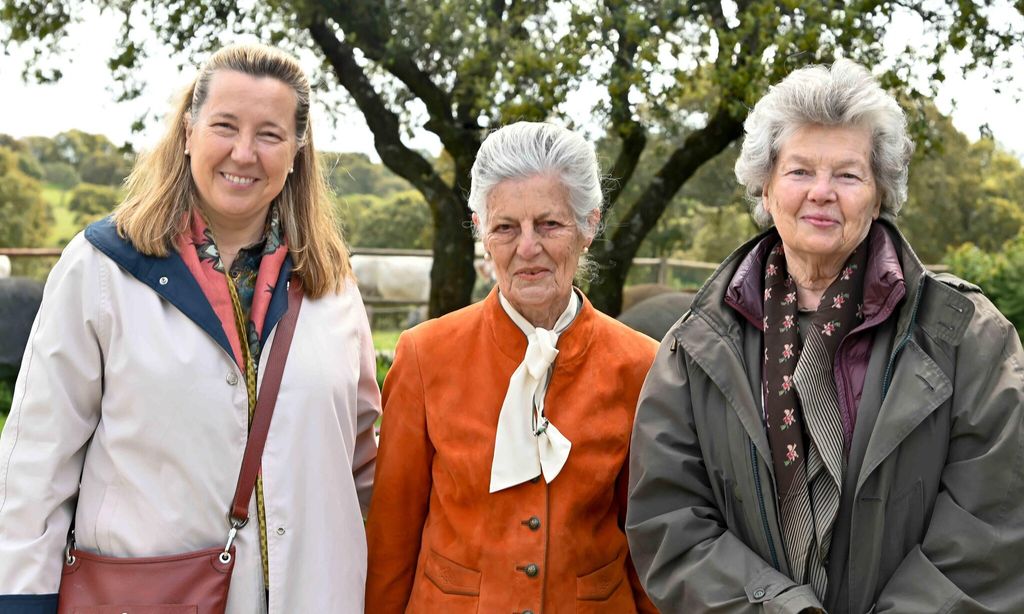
(572, 342)
(884, 285)
(170, 278)
(713, 337)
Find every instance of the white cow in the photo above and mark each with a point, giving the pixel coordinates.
(393, 278)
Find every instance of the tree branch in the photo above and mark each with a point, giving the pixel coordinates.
(699, 147)
(383, 123)
(368, 32)
(632, 134)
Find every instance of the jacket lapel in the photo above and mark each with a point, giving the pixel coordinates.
(717, 353)
(171, 279)
(278, 301)
(918, 387)
(914, 385)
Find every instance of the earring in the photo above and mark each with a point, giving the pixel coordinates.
(487, 256)
(186, 151)
(291, 170)
(586, 249)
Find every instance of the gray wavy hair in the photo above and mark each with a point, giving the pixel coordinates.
(526, 149)
(844, 94)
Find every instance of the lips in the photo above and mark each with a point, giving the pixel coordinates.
(239, 180)
(531, 273)
(819, 221)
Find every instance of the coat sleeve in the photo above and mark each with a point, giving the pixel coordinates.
(368, 401)
(970, 557)
(687, 560)
(402, 485)
(643, 602)
(55, 410)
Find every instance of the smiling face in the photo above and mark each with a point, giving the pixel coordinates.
(533, 238)
(822, 194)
(242, 146)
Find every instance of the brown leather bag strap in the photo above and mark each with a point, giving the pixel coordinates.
(265, 405)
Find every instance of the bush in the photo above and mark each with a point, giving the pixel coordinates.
(61, 174)
(385, 358)
(6, 396)
(25, 215)
(91, 202)
(1000, 275)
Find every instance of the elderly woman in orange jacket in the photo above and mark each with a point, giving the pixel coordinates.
(501, 477)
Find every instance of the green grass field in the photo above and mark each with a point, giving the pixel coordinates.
(385, 339)
(64, 226)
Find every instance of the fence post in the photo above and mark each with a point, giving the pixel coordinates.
(662, 271)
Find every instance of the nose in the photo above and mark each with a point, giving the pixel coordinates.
(822, 191)
(529, 242)
(244, 150)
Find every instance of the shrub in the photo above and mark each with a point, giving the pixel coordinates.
(1000, 275)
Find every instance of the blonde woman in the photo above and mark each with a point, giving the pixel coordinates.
(133, 405)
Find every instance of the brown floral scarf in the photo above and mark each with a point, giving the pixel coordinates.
(804, 423)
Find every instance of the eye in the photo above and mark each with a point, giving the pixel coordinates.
(501, 228)
(551, 224)
(271, 136)
(799, 172)
(850, 176)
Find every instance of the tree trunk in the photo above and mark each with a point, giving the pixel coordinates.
(615, 256)
(452, 276)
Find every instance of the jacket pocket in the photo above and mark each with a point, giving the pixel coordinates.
(600, 584)
(450, 577)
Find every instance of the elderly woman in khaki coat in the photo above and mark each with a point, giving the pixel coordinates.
(831, 427)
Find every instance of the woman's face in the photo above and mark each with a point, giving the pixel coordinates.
(242, 146)
(822, 194)
(533, 239)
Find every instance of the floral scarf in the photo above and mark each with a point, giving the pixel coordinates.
(199, 251)
(804, 421)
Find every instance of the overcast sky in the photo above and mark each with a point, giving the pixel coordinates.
(84, 99)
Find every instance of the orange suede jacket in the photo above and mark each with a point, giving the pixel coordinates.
(438, 541)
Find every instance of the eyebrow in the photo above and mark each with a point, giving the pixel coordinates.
(540, 216)
(798, 159)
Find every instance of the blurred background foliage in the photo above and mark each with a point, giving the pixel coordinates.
(667, 84)
(965, 207)
(965, 210)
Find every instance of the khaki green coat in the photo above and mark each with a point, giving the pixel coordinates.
(932, 512)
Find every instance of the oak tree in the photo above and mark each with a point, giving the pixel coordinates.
(687, 72)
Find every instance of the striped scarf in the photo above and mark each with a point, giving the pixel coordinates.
(804, 423)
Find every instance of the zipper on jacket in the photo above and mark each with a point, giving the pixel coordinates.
(760, 504)
(887, 380)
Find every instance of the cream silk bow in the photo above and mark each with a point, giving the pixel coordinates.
(526, 444)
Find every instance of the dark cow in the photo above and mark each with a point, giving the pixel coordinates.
(19, 302)
(654, 316)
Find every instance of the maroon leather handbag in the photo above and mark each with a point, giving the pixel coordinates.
(194, 582)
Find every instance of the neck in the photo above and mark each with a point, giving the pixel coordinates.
(232, 235)
(812, 276)
(543, 316)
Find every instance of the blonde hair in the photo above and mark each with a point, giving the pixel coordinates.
(161, 193)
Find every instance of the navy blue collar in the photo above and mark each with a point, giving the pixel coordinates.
(171, 279)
